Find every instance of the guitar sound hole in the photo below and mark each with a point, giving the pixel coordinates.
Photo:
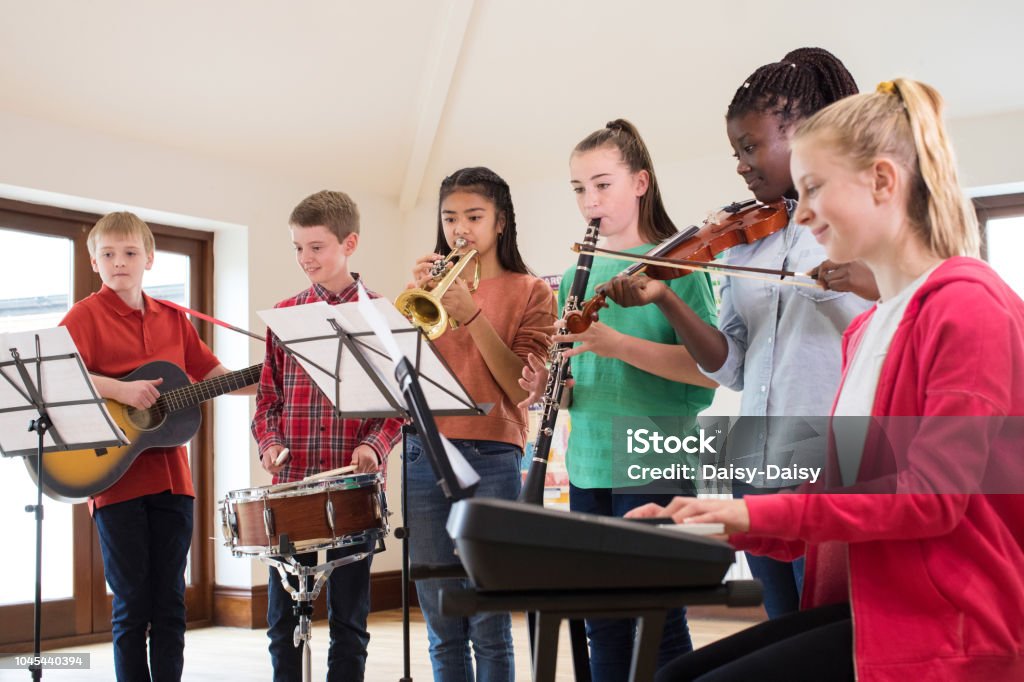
(145, 420)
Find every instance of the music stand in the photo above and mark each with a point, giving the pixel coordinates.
(57, 398)
(349, 351)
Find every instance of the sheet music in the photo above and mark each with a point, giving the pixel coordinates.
(307, 330)
(63, 381)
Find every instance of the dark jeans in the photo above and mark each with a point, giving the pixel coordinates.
(808, 645)
(145, 543)
(611, 641)
(348, 605)
(781, 581)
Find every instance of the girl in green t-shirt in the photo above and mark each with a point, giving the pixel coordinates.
(628, 364)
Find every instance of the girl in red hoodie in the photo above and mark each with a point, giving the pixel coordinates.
(916, 571)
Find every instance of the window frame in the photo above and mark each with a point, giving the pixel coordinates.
(86, 616)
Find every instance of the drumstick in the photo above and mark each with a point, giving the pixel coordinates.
(333, 472)
(281, 457)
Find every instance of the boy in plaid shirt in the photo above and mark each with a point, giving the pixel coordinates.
(292, 413)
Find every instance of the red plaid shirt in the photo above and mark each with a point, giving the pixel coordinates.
(291, 410)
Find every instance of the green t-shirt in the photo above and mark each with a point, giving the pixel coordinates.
(607, 388)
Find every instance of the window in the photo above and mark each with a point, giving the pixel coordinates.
(1002, 228)
(33, 298)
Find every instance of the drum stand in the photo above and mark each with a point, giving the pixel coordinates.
(304, 596)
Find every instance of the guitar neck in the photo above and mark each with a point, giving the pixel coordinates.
(201, 391)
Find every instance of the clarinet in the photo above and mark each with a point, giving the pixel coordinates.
(533, 487)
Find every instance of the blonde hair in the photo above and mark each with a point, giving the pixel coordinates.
(334, 210)
(124, 225)
(902, 120)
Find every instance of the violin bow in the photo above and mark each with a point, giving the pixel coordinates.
(743, 271)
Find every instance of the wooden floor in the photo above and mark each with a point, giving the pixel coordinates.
(219, 654)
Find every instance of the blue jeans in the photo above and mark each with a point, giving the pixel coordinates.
(145, 544)
(611, 641)
(490, 633)
(348, 605)
(781, 581)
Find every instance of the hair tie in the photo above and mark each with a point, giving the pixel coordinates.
(474, 316)
(887, 88)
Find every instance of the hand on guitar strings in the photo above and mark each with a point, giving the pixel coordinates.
(141, 394)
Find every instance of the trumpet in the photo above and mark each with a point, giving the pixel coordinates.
(423, 306)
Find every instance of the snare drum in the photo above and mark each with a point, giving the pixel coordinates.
(314, 515)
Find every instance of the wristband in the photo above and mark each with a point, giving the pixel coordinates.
(475, 315)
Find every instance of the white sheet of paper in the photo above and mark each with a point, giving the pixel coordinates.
(379, 324)
(463, 470)
(359, 393)
(62, 381)
(378, 316)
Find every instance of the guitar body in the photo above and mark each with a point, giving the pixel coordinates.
(75, 475)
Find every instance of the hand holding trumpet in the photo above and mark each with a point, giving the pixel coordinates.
(438, 294)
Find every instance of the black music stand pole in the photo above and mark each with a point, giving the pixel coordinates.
(40, 425)
(423, 422)
(402, 534)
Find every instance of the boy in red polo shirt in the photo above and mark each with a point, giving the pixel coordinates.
(144, 520)
(292, 413)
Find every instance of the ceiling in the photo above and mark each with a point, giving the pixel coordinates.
(389, 96)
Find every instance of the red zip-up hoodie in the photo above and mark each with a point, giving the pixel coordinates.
(935, 581)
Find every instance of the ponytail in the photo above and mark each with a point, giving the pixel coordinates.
(953, 224)
(903, 121)
(654, 223)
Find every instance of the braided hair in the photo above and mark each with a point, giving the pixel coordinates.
(488, 184)
(654, 223)
(806, 80)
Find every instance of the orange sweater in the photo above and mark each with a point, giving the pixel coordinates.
(521, 308)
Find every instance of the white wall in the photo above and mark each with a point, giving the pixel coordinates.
(988, 151)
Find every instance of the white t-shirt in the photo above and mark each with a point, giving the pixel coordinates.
(857, 394)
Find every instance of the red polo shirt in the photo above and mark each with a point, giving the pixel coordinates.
(114, 340)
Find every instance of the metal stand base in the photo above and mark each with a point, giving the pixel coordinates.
(304, 596)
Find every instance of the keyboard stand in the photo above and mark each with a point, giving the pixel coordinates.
(649, 606)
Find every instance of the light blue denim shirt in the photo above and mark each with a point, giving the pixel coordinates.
(784, 342)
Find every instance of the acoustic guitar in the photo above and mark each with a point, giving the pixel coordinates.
(76, 475)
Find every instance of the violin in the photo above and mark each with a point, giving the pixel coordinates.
(738, 223)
